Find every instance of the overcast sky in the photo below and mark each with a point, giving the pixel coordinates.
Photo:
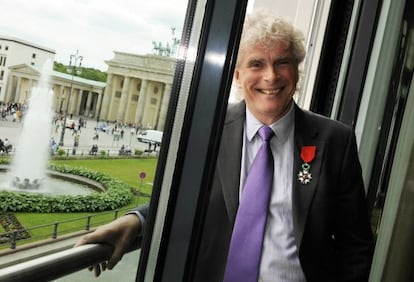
(95, 27)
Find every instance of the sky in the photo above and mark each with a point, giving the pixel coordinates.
(94, 27)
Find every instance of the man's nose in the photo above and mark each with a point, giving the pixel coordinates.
(271, 73)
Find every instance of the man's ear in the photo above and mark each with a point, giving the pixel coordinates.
(236, 78)
(296, 76)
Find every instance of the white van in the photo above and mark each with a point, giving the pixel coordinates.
(150, 136)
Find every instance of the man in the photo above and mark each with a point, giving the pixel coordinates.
(317, 226)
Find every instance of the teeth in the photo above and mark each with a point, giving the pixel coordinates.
(270, 91)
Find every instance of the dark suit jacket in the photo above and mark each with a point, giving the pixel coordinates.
(330, 218)
(329, 214)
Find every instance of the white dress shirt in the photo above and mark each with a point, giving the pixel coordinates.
(280, 259)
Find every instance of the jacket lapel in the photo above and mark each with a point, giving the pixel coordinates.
(229, 164)
(229, 159)
(302, 194)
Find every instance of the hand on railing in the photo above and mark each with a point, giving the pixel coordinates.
(120, 234)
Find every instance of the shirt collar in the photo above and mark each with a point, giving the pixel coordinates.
(281, 127)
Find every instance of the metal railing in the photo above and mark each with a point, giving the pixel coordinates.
(56, 265)
(54, 227)
(59, 264)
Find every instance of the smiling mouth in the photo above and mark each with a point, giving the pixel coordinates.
(270, 91)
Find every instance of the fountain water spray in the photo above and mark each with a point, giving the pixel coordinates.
(33, 149)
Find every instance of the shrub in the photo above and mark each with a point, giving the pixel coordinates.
(102, 153)
(61, 152)
(138, 152)
(117, 194)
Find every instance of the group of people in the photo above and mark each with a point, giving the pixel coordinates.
(59, 120)
(125, 150)
(315, 224)
(5, 146)
(53, 146)
(13, 110)
(94, 150)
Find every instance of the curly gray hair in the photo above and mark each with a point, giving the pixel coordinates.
(261, 28)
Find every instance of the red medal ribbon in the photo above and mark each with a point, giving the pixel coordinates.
(308, 153)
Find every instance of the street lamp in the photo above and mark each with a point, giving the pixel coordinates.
(72, 68)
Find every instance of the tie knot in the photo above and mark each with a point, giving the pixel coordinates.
(265, 133)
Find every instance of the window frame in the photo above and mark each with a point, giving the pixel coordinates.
(198, 143)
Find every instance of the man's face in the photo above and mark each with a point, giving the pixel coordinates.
(267, 78)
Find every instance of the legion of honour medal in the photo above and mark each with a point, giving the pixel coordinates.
(307, 154)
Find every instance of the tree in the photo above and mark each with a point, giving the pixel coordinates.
(87, 73)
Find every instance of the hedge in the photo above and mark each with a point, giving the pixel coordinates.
(117, 194)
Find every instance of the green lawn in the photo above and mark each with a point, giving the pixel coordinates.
(127, 170)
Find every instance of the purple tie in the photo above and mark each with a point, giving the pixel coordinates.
(245, 251)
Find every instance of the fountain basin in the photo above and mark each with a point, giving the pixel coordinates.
(56, 183)
(114, 194)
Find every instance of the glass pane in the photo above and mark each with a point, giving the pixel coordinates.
(265, 73)
(84, 89)
(310, 17)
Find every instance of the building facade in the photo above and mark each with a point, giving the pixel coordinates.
(14, 52)
(74, 95)
(137, 90)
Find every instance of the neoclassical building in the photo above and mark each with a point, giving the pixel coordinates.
(80, 97)
(138, 89)
(18, 52)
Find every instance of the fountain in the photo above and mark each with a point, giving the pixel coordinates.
(29, 166)
(28, 169)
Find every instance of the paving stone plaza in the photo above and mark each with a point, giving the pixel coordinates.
(107, 141)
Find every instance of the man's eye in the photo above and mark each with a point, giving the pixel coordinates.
(283, 62)
(255, 64)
